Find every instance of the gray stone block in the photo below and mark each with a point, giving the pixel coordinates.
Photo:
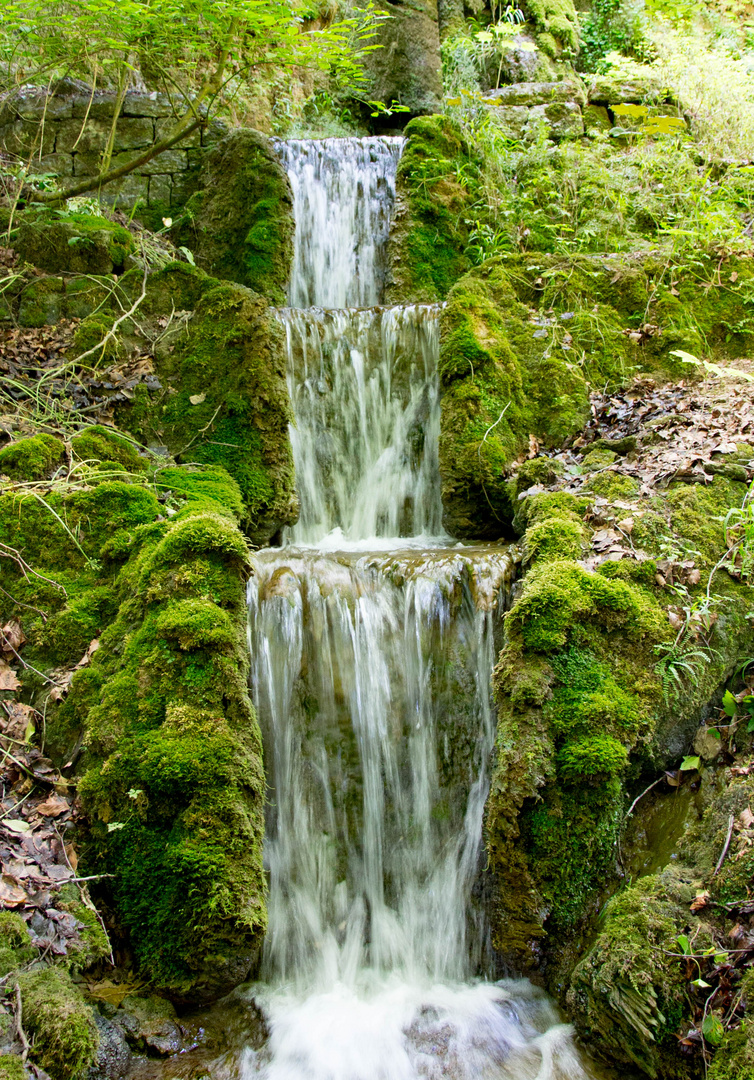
(165, 125)
(60, 164)
(608, 90)
(25, 136)
(94, 106)
(160, 190)
(511, 119)
(539, 93)
(153, 104)
(130, 135)
(596, 120)
(125, 193)
(564, 120)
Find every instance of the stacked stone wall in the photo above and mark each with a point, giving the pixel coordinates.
(67, 133)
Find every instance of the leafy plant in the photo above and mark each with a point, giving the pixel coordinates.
(198, 50)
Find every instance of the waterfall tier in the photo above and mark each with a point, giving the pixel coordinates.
(364, 390)
(343, 194)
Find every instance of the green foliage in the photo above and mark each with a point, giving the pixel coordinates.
(201, 49)
(613, 26)
(61, 1023)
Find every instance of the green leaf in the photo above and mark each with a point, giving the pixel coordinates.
(721, 958)
(730, 705)
(713, 1030)
(684, 944)
(690, 763)
(750, 726)
(700, 983)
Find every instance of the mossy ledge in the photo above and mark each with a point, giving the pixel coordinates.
(581, 708)
(524, 337)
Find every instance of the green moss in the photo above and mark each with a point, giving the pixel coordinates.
(61, 1023)
(593, 755)
(231, 362)
(77, 243)
(614, 486)
(556, 538)
(92, 340)
(11, 1068)
(430, 233)
(627, 995)
(33, 458)
(211, 488)
(99, 443)
(697, 513)
(734, 1059)
(558, 598)
(241, 222)
(66, 635)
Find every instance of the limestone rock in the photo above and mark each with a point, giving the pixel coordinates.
(539, 93)
(242, 218)
(596, 120)
(407, 67)
(640, 89)
(150, 1024)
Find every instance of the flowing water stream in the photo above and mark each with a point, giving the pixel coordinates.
(372, 636)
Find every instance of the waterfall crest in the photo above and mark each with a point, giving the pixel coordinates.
(343, 194)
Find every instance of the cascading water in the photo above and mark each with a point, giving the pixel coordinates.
(372, 640)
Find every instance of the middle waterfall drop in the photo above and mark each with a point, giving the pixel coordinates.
(372, 639)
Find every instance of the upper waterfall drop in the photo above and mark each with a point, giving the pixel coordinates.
(343, 195)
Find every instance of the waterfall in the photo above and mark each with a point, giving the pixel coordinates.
(364, 390)
(343, 193)
(372, 638)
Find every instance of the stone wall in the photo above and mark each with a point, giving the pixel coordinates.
(65, 134)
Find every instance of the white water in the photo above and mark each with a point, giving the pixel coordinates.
(364, 390)
(372, 641)
(343, 193)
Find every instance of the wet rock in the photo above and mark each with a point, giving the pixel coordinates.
(113, 1055)
(150, 1024)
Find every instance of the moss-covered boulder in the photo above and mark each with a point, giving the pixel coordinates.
(628, 996)
(498, 387)
(240, 223)
(170, 772)
(584, 702)
(61, 1024)
(429, 232)
(524, 338)
(74, 243)
(221, 396)
(32, 458)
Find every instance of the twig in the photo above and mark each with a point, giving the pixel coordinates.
(640, 797)
(28, 667)
(721, 860)
(19, 1024)
(111, 332)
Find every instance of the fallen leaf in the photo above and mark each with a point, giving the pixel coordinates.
(70, 854)
(700, 901)
(17, 826)
(53, 806)
(8, 677)
(197, 399)
(746, 818)
(11, 893)
(533, 444)
(12, 636)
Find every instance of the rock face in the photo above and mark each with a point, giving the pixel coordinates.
(406, 70)
(241, 221)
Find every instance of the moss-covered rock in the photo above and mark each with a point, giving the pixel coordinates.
(73, 243)
(241, 221)
(171, 776)
(33, 458)
(65, 1037)
(628, 995)
(405, 67)
(583, 702)
(11, 1068)
(511, 333)
(223, 399)
(429, 231)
